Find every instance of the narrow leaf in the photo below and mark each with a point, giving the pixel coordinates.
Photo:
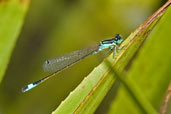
(89, 94)
(150, 70)
(12, 14)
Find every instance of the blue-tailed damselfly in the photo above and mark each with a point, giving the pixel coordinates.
(57, 64)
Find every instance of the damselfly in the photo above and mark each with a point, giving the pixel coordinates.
(57, 64)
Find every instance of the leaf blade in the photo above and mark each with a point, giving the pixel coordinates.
(11, 19)
(145, 71)
(132, 43)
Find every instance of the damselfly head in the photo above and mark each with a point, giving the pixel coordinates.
(118, 39)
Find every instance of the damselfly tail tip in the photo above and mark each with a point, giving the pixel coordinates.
(24, 89)
(32, 85)
(28, 87)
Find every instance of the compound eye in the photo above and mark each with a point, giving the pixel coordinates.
(118, 36)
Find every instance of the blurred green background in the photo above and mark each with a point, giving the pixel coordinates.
(56, 27)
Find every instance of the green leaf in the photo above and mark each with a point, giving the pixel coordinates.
(150, 70)
(89, 94)
(12, 14)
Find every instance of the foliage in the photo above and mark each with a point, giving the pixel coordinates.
(88, 95)
(11, 19)
(52, 28)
